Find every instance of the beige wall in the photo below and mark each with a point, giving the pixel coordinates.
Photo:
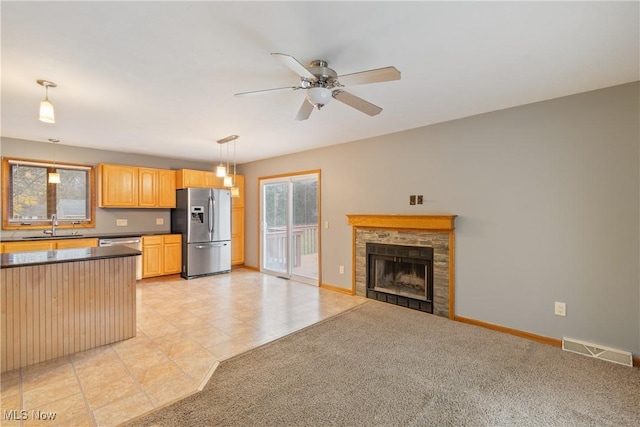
(548, 198)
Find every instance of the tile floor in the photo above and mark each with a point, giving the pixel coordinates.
(185, 328)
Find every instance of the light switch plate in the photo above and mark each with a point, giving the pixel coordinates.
(159, 221)
(121, 222)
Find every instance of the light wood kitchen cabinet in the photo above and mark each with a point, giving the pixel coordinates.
(237, 236)
(191, 178)
(237, 224)
(166, 188)
(135, 187)
(161, 255)
(117, 186)
(77, 243)
(172, 254)
(41, 245)
(49, 244)
(147, 187)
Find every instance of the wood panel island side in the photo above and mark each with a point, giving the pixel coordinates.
(55, 303)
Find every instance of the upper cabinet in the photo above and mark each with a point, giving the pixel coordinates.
(190, 178)
(121, 186)
(117, 186)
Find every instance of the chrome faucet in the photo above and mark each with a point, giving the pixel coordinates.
(54, 222)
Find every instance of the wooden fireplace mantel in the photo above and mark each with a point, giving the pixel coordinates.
(441, 222)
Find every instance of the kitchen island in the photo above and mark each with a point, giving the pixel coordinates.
(55, 303)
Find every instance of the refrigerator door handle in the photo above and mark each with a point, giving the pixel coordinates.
(211, 206)
(211, 245)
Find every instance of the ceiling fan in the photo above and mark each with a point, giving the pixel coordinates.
(322, 84)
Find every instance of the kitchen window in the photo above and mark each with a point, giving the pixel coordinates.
(29, 199)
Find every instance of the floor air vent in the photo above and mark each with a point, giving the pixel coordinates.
(599, 352)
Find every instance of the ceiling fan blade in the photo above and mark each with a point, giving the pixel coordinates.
(305, 110)
(356, 102)
(294, 65)
(371, 76)
(258, 92)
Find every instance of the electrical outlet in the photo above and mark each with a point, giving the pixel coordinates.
(420, 199)
(412, 199)
(560, 309)
(159, 221)
(342, 269)
(121, 222)
(326, 224)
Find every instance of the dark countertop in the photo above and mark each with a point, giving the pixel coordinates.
(65, 234)
(23, 259)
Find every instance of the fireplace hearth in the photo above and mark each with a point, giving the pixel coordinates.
(401, 275)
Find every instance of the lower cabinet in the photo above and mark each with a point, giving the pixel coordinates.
(161, 255)
(49, 245)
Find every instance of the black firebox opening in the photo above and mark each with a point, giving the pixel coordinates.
(401, 275)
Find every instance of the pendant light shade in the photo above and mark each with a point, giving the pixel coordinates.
(54, 178)
(228, 181)
(47, 115)
(221, 171)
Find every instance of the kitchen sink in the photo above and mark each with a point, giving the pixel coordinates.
(50, 237)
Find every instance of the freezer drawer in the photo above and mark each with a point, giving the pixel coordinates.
(207, 258)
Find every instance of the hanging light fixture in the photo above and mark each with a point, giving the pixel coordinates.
(221, 170)
(235, 191)
(47, 114)
(228, 179)
(54, 177)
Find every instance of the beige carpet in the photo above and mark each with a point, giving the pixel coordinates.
(382, 365)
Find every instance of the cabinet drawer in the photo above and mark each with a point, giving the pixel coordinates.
(173, 238)
(151, 240)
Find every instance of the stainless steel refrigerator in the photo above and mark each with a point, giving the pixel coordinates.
(203, 217)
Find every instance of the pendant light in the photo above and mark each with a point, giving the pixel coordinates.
(235, 191)
(228, 179)
(54, 177)
(47, 114)
(221, 170)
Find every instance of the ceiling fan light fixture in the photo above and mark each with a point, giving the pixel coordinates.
(319, 96)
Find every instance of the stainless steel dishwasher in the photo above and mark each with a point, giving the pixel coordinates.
(132, 242)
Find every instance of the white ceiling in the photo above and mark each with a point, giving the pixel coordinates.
(159, 77)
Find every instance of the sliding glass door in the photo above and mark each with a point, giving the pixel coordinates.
(289, 226)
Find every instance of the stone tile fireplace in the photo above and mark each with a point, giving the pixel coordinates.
(426, 284)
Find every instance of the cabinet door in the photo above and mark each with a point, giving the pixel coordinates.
(194, 178)
(166, 188)
(28, 246)
(237, 236)
(172, 254)
(147, 187)
(213, 181)
(151, 256)
(118, 186)
(76, 243)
